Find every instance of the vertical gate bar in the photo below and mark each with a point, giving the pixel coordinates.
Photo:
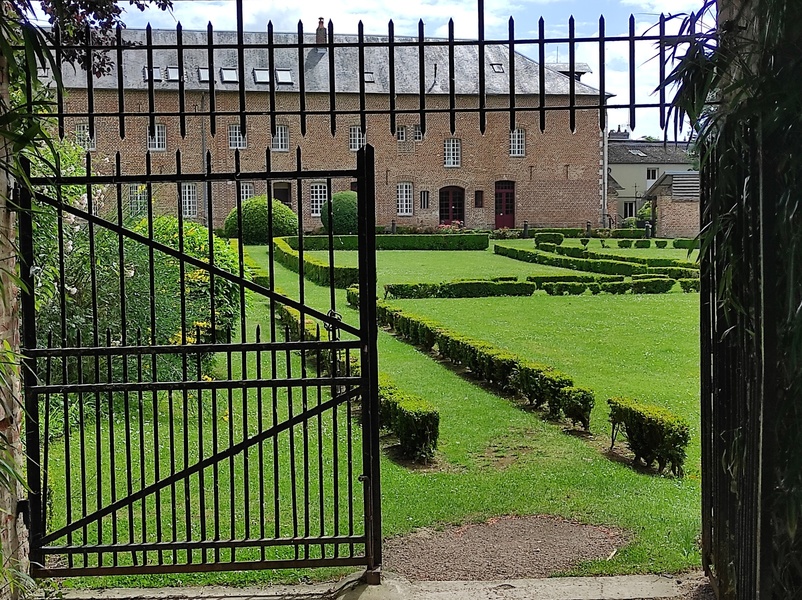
(363, 125)
(369, 362)
(232, 494)
(142, 453)
(349, 449)
(301, 265)
(182, 101)
(59, 60)
(541, 71)
(212, 100)
(149, 78)
(391, 73)
(305, 433)
(705, 320)
(481, 42)
(79, 363)
(320, 467)
(90, 85)
(335, 463)
(452, 94)
(271, 63)
(156, 458)
(216, 474)
(293, 475)
(118, 45)
(301, 77)
(210, 226)
(572, 71)
(152, 341)
(112, 456)
(332, 90)
(29, 373)
(261, 424)
(602, 82)
(241, 71)
(45, 450)
(631, 72)
(173, 501)
(185, 436)
(662, 65)
(201, 477)
(511, 61)
(421, 79)
(330, 215)
(274, 423)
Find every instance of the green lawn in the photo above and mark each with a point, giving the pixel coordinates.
(595, 246)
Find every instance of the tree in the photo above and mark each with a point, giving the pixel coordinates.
(23, 48)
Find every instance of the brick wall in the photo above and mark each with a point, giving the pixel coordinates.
(556, 182)
(676, 217)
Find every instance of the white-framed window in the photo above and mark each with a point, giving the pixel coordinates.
(159, 140)
(403, 199)
(189, 200)
(137, 199)
(401, 134)
(452, 152)
(155, 74)
(82, 137)
(284, 76)
(318, 194)
(417, 133)
(236, 139)
(370, 77)
(424, 199)
(356, 139)
(229, 75)
(246, 191)
(173, 74)
(261, 76)
(629, 210)
(203, 74)
(281, 141)
(518, 142)
(651, 174)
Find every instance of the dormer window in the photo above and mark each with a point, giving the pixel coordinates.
(261, 76)
(203, 74)
(497, 67)
(173, 74)
(229, 75)
(283, 76)
(369, 77)
(155, 74)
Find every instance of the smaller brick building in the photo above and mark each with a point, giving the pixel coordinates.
(675, 197)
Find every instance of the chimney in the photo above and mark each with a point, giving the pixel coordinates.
(320, 34)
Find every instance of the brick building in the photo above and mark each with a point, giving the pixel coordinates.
(423, 177)
(675, 196)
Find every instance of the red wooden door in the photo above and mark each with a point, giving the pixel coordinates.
(505, 204)
(452, 205)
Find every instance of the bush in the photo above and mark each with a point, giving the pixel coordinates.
(645, 212)
(539, 384)
(459, 289)
(430, 241)
(649, 276)
(569, 232)
(254, 221)
(566, 287)
(675, 272)
(601, 233)
(352, 295)
(661, 243)
(315, 270)
(343, 207)
(548, 238)
(594, 288)
(625, 243)
(652, 286)
(584, 242)
(653, 433)
(539, 280)
(576, 404)
(616, 287)
(687, 244)
(630, 232)
(411, 418)
(690, 285)
(607, 267)
(643, 243)
(506, 233)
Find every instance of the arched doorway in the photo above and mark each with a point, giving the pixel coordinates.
(452, 205)
(505, 204)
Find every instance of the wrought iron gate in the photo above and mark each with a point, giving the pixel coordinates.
(158, 442)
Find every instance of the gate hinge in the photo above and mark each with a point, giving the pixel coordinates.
(24, 509)
(363, 478)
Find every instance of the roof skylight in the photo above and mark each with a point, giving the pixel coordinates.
(369, 77)
(155, 74)
(261, 76)
(173, 74)
(228, 75)
(497, 67)
(203, 74)
(283, 76)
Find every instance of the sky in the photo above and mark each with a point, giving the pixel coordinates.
(375, 15)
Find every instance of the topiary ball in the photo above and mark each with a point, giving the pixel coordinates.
(343, 213)
(254, 221)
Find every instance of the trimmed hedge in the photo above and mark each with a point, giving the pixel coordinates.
(548, 238)
(539, 280)
(569, 232)
(643, 244)
(560, 288)
(608, 267)
(661, 243)
(641, 260)
(652, 286)
(653, 433)
(459, 289)
(254, 221)
(649, 276)
(576, 404)
(258, 274)
(687, 243)
(411, 418)
(616, 287)
(675, 272)
(315, 270)
(428, 241)
(352, 295)
(631, 233)
(625, 243)
(690, 285)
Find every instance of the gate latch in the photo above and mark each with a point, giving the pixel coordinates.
(333, 330)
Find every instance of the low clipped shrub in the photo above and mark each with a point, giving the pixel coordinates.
(548, 247)
(606, 267)
(625, 243)
(576, 404)
(460, 289)
(616, 287)
(690, 285)
(629, 232)
(539, 280)
(594, 288)
(675, 272)
(429, 241)
(652, 286)
(687, 243)
(539, 384)
(653, 433)
(567, 251)
(560, 288)
(643, 244)
(649, 276)
(569, 232)
(548, 238)
(343, 208)
(661, 243)
(314, 270)
(414, 420)
(584, 242)
(255, 221)
(352, 295)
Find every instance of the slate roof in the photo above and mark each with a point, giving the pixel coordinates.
(684, 184)
(316, 65)
(642, 152)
